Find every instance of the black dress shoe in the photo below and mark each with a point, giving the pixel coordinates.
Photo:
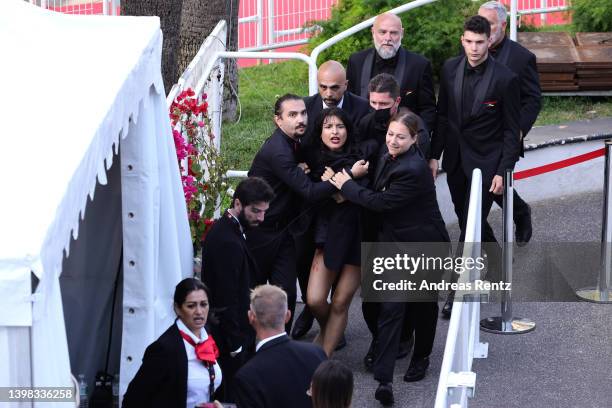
(448, 306)
(524, 229)
(302, 324)
(416, 371)
(384, 394)
(405, 347)
(368, 360)
(341, 344)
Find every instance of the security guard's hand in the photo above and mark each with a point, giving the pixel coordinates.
(339, 179)
(497, 186)
(328, 174)
(360, 168)
(304, 167)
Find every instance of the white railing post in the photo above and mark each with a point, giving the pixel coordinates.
(513, 22)
(260, 24)
(457, 381)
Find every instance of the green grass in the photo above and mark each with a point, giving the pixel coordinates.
(261, 85)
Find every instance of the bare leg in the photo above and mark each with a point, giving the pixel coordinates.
(319, 285)
(350, 278)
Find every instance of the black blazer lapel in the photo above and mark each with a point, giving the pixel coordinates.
(458, 89)
(483, 87)
(366, 71)
(504, 54)
(402, 65)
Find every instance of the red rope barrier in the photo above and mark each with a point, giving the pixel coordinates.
(559, 164)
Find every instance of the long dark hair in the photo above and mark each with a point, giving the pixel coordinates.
(322, 156)
(332, 385)
(337, 113)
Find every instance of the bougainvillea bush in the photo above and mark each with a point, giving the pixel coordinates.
(202, 166)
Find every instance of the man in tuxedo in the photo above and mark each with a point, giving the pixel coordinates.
(332, 94)
(277, 162)
(523, 63)
(478, 127)
(412, 71)
(280, 373)
(384, 99)
(228, 269)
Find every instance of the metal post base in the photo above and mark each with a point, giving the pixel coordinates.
(517, 326)
(594, 295)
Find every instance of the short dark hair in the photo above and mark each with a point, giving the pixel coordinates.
(332, 385)
(185, 287)
(278, 106)
(337, 113)
(253, 190)
(408, 119)
(478, 25)
(382, 83)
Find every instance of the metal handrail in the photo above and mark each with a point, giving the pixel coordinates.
(457, 381)
(364, 24)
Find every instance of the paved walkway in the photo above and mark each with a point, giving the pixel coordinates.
(565, 362)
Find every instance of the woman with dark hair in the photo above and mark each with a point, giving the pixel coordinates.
(403, 196)
(332, 385)
(180, 368)
(337, 226)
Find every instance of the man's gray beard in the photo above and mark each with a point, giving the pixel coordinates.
(385, 53)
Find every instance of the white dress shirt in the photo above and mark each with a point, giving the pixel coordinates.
(198, 378)
(337, 106)
(264, 341)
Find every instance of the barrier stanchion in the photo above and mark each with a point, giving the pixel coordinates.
(506, 323)
(601, 293)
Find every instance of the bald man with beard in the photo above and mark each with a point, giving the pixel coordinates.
(412, 71)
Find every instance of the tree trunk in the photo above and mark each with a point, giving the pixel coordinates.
(199, 18)
(185, 25)
(169, 12)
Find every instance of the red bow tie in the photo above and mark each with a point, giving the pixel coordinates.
(206, 351)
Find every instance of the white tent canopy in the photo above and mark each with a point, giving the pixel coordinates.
(79, 93)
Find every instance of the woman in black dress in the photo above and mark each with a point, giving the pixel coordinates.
(337, 226)
(403, 195)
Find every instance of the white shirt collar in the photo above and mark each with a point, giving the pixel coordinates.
(338, 106)
(264, 341)
(184, 328)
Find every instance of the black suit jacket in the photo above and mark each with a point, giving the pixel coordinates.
(522, 62)
(277, 163)
(228, 270)
(161, 380)
(489, 140)
(404, 197)
(355, 106)
(413, 72)
(278, 375)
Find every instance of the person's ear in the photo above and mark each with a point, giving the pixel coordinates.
(251, 316)
(287, 316)
(277, 120)
(237, 205)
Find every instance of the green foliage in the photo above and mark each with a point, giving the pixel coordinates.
(432, 30)
(592, 15)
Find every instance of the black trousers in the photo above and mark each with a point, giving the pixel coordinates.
(519, 206)
(459, 186)
(274, 253)
(422, 316)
